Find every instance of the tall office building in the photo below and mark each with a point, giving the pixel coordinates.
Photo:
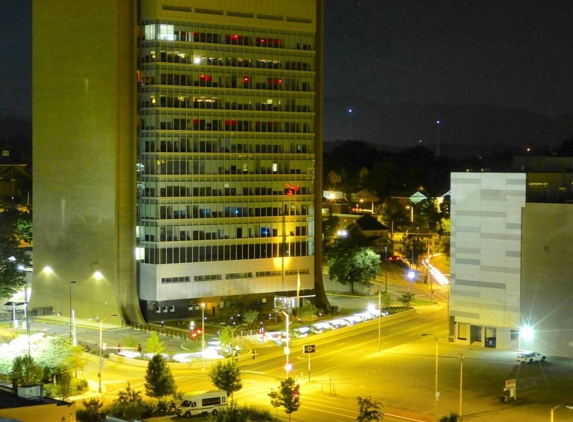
(177, 153)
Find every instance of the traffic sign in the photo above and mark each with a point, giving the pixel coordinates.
(308, 348)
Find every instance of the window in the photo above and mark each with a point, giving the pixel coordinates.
(166, 32)
(212, 401)
(149, 32)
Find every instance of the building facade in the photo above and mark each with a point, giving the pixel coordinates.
(212, 137)
(510, 263)
(486, 257)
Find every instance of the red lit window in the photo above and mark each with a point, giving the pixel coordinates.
(195, 121)
(230, 123)
(275, 81)
(246, 79)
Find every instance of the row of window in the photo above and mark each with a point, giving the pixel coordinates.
(182, 191)
(167, 236)
(197, 33)
(209, 253)
(232, 276)
(228, 80)
(213, 143)
(181, 167)
(197, 58)
(187, 102)
(228, 125)
(252, 147)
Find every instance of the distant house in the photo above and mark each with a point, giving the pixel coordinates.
(377, 232)
(15, 183)
(363, 201)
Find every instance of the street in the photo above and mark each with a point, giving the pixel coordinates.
(388, 360)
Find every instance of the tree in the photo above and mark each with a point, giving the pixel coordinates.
(76, 359)
(129, 404)
(65, 385)
(250, 316)
(226, 338)
(226, 376)
(57, 356)
(307, 313)
(159, 380)
(92, 411)
(406, 298)
(287, 397)
(154, 345)
(452, 417)
(26, 370)
(369, 410)
(23, 227)
(354, 266)
(13, 258)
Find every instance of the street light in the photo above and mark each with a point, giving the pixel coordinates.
(203, 335)
(71, 329)
(436, 392)
(101, 346)
(407, 234)
(566, 406)
(462, 357)
(392, 228)
(287, 348)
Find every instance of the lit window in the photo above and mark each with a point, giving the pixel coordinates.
(166, 32)
(149, 32)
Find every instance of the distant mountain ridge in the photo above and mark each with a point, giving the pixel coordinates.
(464, 130)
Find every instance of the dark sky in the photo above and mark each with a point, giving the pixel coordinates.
(503, 52)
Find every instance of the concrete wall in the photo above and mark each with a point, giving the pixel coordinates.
(547, 278)
(84, 132)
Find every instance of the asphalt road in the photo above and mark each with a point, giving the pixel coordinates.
(397, 369)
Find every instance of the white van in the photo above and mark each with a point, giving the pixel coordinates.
(207, 402)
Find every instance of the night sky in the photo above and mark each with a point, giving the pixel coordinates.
(515, 53)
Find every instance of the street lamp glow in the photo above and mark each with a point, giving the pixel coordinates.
(566, 406)
(98, 275)
(526, 333)
(411, 275)
(48, 270)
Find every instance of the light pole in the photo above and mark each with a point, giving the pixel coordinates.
(436, 391)
(287, 348)
(71, 329)
(392, 228)
(203, 335)
(385, 269)
(101, 347)
(462, 357)
(408, 234)
(380, 320)
(567, 406)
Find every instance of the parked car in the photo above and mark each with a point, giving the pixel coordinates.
(319, 327)
(336, 323)
(19, 306)
(530, 357)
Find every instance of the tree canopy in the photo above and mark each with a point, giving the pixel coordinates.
(159, 380)
(351, 261)
(287, 396)
(13, 258)
(226, 376)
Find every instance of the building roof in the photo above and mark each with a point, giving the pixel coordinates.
(9, 400)
(369, 223)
